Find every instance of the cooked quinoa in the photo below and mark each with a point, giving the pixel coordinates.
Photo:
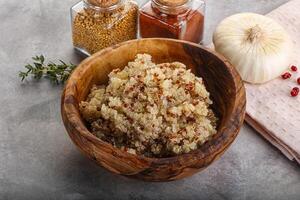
(156, 110)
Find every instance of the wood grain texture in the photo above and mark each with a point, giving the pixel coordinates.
(221, 79)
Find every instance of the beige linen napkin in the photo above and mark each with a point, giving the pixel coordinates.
(270, 108)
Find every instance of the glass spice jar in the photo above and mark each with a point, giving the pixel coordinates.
(178, 19)
(97, 24)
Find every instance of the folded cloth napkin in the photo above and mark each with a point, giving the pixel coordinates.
(270, 108)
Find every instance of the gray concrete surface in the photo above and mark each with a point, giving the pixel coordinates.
(39, 161)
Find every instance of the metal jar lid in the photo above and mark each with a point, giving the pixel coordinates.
(103, 3)
(172, 2)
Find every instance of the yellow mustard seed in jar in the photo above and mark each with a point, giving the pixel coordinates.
(97, 24)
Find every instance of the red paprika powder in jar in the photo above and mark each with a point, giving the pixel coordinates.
(178, 19)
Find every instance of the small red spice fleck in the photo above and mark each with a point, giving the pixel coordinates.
(189, 86)
(298, 80)
(286, 75)
(169, 98)
(294, 68)
(130, 119)
(295, 92)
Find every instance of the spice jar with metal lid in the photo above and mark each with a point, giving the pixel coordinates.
(179, 19)
(97, 24)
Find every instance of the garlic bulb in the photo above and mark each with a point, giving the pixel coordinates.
(256, 45)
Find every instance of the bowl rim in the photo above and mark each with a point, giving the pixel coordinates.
(78, 124)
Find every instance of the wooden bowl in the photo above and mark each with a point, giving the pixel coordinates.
(221, 79)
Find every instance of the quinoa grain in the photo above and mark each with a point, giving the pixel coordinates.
(156, 110)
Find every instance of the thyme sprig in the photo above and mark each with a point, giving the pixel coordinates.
(55, 72)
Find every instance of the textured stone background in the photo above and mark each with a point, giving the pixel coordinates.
(38, 160)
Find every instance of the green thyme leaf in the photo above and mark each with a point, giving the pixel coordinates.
(56, 73)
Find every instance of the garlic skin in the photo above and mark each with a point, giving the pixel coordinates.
(256, 45)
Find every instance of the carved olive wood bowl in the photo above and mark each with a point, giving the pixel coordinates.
(221, 79)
